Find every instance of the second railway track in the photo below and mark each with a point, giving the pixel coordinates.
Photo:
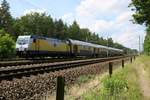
(27, 70)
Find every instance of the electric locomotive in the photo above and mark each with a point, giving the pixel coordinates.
(33, 45)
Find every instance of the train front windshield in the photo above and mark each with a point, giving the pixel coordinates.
(23, 41)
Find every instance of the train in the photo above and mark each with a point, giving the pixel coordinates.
(40, 46)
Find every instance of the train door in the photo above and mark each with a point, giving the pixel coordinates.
(75, 49)
(36, 46)
(94, 53)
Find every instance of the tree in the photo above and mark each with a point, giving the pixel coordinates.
(60, 29)
(85, 34)
(34, 23)
(2, 32)
(147, 42)
(110, 42)
(119, 46)
(142, 11)
(148, 30)
(142, 16)
(7, 45)
(6, 20)
(74, 30)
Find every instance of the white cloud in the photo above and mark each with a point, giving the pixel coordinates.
(28, 11)
(92, 8)
(101, 25)
(128, 34)
(109, 18)
(123, 17)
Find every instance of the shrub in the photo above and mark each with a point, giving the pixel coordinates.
(7, 45)
(114, 88)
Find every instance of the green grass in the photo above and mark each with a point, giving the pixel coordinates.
(122, 85)
(84, 78)
(145, 60)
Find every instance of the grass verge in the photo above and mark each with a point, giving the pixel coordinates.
(123, 85)
(146, 61)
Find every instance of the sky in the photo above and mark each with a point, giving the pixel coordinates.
(107, 18)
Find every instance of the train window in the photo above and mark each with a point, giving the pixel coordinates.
(34, 40)
(86, 47)
(82, 46)
(22, 41)
(55, 44)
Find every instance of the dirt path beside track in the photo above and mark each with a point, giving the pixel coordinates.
(143, 80)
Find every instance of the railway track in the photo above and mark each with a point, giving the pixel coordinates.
(35, 61)
(27, 70)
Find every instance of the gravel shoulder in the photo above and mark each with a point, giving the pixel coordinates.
(36, 87)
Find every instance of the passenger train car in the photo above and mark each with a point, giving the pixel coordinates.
(32, 45)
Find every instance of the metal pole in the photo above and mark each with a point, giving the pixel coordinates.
(60, 88)
(110, 68)
(131, 59)
(139, 45)
(123, 63)
(107, 46)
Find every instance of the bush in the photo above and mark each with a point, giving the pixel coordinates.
(122, 85)
(114, 85)
(114, 88)
(7, 45)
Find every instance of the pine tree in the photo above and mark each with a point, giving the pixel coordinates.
(6, 20)
(75, 31)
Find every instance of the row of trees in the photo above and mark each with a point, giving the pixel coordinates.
(44, 25)
(142, 16)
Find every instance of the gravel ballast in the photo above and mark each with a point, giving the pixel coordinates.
(35, 87)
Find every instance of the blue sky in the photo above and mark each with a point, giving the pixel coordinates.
(108, 18)
(55, 8)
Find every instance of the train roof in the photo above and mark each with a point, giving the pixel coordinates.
(115, 49)
(77, 42)
(30, 36)
(37, 37)
(24, 36)
(100, 46)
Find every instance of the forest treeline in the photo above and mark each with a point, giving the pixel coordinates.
(44, 25)
(142, 16)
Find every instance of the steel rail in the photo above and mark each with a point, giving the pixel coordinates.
(35, 61)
